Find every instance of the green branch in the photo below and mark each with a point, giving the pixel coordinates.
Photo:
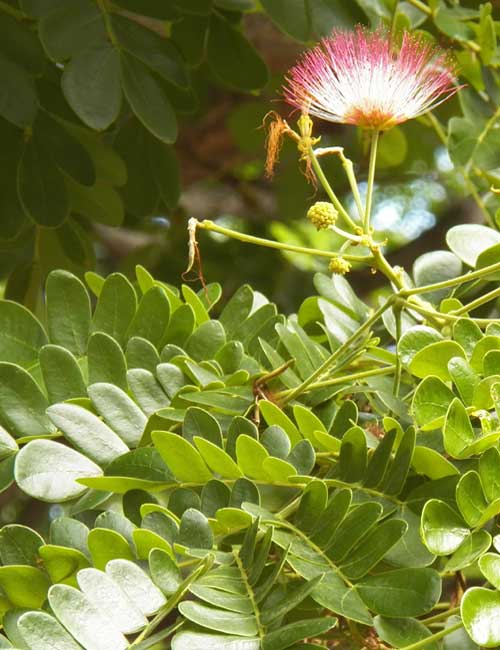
(384, 267)
(206, 224)
(435, 637)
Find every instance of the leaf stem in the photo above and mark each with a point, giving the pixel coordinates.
(105, 8)
(453, 282)
(153, 24)
(429, 312)
(250, 594)
(290, 508)
(325, 366)
(169, 605)
(334, 482)
(156, 638)
(421, 6)
(371, 181)
(479, 200)
(442, 616)
(482, 300)
(451, 318)
(435, 637)
(12, 11)
(440, 132)
(317, 549)
(374, 372)
(484, 132)
(398, 368)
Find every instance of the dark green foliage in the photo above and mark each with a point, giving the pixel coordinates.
(95, 94)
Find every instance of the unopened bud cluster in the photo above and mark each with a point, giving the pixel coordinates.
(339, 266)
(322, 215)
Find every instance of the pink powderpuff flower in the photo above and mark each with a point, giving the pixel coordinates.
(359, 78)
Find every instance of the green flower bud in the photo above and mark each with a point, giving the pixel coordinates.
(322, 215)
(339, 265)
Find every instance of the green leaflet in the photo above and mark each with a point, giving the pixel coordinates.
(23, 405)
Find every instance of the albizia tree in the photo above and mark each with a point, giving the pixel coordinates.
(249, 480)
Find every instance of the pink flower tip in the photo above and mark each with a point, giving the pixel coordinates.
(358, 77)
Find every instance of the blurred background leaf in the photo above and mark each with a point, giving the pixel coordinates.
(120, 120)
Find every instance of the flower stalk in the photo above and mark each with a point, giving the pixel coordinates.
(349, 170)
(371, 180)
(329, 191)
